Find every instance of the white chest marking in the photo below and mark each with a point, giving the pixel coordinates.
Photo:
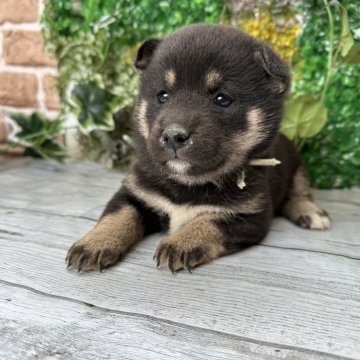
(182, 214)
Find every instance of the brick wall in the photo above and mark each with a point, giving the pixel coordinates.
(27, 73)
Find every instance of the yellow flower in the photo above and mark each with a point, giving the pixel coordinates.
(281, 37)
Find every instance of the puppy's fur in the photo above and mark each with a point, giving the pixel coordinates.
(210, 102)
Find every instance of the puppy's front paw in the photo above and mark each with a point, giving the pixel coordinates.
(181, 253)
(103, 246)
(93, 253)
(316, 220)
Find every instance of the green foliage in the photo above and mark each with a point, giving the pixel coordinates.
(306, 114)
(353, 56)
(346, 40)
(333, 155)
(37, 135)
(94, 106)
(304, 117)
(126, 21)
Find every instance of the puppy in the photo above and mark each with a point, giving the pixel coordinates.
(208, 114)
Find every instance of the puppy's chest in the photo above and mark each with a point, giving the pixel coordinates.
(180, 215)
(182, 209)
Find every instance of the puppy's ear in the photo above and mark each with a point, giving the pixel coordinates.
(275, 68)
(145, 53)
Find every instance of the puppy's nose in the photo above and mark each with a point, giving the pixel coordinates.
(175, 138)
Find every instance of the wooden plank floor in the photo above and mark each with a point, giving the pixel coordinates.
(296, 296)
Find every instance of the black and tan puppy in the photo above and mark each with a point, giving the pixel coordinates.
(209, 109)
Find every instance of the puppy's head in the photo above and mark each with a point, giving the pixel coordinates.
(210, 97)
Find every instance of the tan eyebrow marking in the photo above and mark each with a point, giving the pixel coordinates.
(212, 79)
(170, 78)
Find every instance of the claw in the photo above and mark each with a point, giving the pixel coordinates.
(67, 256)
(69, 261)
(187, 262)
(81, 260)
(98, 260)
(97, 257)
(171, 261)
(100, 264)
(158, 256)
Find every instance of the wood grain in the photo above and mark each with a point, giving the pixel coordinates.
(34, 325)
(298, 292)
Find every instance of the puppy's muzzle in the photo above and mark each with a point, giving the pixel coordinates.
(175, 138)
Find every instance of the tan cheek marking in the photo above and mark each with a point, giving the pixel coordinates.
(256, 130)
(170, 78)
(212, 79)
(243, 142)
(142, 121)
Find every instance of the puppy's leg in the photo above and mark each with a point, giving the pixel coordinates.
(209, 236)
(300, 207)
(124, 222)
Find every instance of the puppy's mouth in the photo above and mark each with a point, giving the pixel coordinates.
(178, 166)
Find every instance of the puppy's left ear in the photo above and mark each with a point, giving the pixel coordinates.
(145, 53)
(275, 68)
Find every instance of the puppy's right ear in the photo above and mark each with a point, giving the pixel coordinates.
(145, 53)
(274, 67)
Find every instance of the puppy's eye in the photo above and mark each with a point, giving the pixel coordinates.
(223, 100)
(163, 96)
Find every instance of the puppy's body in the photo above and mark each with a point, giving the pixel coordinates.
(210, 103)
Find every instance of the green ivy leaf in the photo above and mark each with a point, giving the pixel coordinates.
(53, 127)
(94, 105)
(314, 115)
(31, 126)
(37, 134)
(289, 124)
(346, 39)
(353, 56)
(48, 150)
(52, 150)
(304, 117)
